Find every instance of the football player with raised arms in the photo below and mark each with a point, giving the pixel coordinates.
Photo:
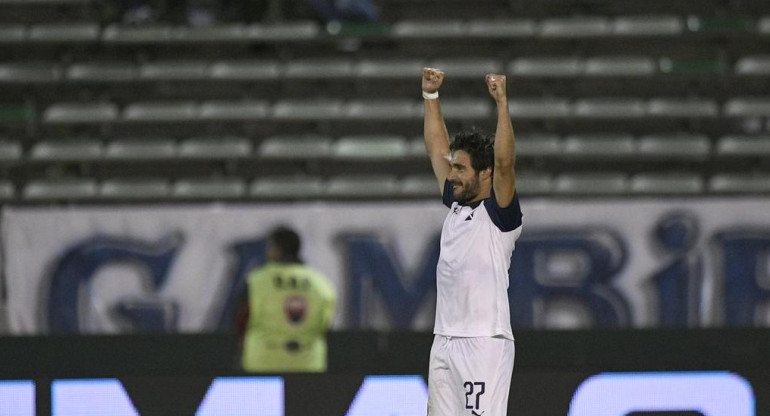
(471, 360)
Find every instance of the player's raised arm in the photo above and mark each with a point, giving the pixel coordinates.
(434, 129)
(504, 178)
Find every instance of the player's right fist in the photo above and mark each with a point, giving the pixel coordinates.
(431, 79)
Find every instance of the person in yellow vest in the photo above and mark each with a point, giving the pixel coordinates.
(290, 310)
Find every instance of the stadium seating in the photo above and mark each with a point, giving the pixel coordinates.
(650, 98)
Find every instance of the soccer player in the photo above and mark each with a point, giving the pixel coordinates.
(471, 360)
(290, 309)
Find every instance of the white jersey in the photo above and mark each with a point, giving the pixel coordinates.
(477, 242)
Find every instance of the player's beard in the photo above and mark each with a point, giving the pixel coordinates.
(469, 192)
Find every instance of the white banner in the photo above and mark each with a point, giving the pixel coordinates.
(37, 242)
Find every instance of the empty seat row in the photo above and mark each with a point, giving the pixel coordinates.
(596, 146)
(318, 109)
(377, 186)
(549, 28)
(340, 68)
(619, 184)
(279, 187)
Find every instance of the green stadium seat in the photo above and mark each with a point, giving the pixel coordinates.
(7, 194)
(381, 109)
(692, 67)
(10, 150)
(727, 24)
(295, 147)
(609, 107)
(467, 68)
(539, 107)
(368, 147)
(16, 113)
(209, 188)
(744, 183)
(743, 146)
(59, 190)
(245, 70)
(119, 34)
(228, 147)
(747, 107)
(753, 65)
(13, 33)
(174, 111)
(501, 28)
(289, 31)
(142, 148)
(361, 186)
(546, 67)
(389, 68)
(466, 109)
(679, 146)
(594, 183)
(667, 183)
(64, 32)
(611, 66)
(251, 110)
(104, 72)
(186, 70)
(135, 189)
(419, 185)
(307, 109)
(85, 112)
(538, 145)
(286, 187)
(660, 25)
(67, 149)
(318, 69)
(29, 73)
(682, 107)
(599, 146)
(574, 27)
(534, 183)
(428, 29)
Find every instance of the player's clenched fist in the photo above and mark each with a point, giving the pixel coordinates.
(431, 79)
(496, 85)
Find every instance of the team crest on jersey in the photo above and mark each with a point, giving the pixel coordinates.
(295, 308)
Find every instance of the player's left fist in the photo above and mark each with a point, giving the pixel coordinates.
(496, 85)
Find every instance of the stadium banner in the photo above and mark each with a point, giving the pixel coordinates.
(593, 263)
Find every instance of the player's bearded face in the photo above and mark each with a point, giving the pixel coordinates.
(463, 178)
(466, 190)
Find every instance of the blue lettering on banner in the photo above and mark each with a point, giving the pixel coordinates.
(371, 262)
(79, 264)
(745, 273)
(578, 265)
(679, 283)
(621, 394)
(596, 256)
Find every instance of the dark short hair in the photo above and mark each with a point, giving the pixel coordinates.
(480, 147)
(286, 240)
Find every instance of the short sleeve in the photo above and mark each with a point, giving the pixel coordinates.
(448, 196)
(508, 218)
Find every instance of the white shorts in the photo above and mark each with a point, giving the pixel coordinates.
(470, 376)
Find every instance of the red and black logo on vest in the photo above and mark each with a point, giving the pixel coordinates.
(295, 308)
